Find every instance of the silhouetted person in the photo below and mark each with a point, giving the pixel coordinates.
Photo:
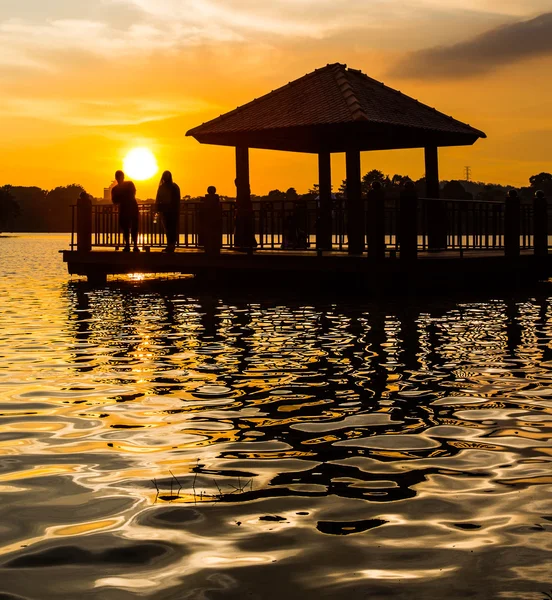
(211, 221)
(124, 195)
(167, 204)
(295, 227)
(300, 214)
(289, 233)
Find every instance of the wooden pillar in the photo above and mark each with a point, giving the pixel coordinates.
(244, 237)
(540, 224)
(432, 171)
(355, 204)
(84, 223)
(436, 212)
(324, 222)
(96, 278)
(511, 225)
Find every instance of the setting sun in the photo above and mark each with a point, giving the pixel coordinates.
(140, 164)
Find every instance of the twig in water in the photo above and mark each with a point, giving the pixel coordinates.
(179, 484)
(154, 481)
(194, 481)
(218, 488)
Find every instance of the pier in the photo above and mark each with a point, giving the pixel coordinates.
(485, 241)
(363, 237)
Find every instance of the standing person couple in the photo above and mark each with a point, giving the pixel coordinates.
(167, 205)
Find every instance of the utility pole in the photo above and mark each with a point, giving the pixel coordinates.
(467, 173)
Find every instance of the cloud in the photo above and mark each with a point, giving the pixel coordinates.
(83, 112)
(482, 54)
(31, 43)
(123, 28)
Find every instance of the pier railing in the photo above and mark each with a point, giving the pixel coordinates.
(401, 227)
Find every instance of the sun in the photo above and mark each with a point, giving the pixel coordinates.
(140, 164)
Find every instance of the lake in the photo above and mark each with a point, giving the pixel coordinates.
(163, 441)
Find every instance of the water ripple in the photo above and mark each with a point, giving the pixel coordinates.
(158, 441)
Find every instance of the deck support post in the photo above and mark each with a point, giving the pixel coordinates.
(511, 225)
(324, 222)
(436, 211)
(84, 224)
(244, 235)
(355, 204)
(96, 278)
(540, 224)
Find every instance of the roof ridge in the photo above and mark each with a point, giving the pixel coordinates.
(399, 93)
(357, 112)
(293, 83)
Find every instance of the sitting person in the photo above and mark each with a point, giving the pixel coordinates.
(211, 221)
(124, 196)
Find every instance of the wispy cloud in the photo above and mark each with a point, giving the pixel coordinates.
(484, 53)
(84, 112)
(138, 27)
(26, 39)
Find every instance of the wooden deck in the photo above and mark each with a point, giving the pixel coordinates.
(471, 267)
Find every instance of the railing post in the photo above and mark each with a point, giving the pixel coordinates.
(408, 222)
(540, 224)
(376, 221)
(84, 223)
(212, 224)
(355, 205)
(512, 216)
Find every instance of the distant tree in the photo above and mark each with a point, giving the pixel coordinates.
(9, 208)
(490, 191)
(314, 190)
(276, 196)
(542, 181)
(454, 190)
(370, 177)
(58, 203)
(342, 190)
(398, 181)
(421, 187)
(292, 195)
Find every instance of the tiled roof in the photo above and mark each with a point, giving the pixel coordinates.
(333, 95)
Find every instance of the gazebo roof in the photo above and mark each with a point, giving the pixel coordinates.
(334, 109)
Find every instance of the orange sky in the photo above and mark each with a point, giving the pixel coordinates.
(81, 86)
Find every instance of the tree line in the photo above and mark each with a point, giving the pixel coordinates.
(36, 210)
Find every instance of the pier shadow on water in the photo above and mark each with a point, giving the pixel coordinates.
(178, 444)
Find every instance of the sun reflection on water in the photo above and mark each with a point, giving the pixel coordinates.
(162, 438)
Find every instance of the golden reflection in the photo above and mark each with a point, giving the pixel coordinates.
(303, 405)
(384, 574)
(465, 445)
(44, 471)
(140, 390)
(85, 528)
(321, 440)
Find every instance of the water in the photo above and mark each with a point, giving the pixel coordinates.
(158, 442)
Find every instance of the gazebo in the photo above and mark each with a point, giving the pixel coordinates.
(334, 109)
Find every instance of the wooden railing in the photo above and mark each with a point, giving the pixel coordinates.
(425, 223)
